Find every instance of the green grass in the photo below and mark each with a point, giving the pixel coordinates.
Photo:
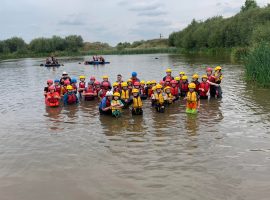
(257, 65)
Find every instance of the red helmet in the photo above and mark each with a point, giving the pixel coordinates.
(137, 83)
(92, 78)
(173, 82)
(51, 87)
(49, 81)
(67, 82)
(161, 82)
(97, 83)
(105, 84)
(209, 69)
(167, 80)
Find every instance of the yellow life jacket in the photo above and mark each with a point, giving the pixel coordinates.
(159, 97)
(192, 97)
(125, 94)
(169, 97)
(137, 102)
(114, 103)
(218, 76)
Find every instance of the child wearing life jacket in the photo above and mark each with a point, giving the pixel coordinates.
(195, 79)
(116, 87)
(136, 85)
(46, 89)
(129, 85)
(81, 84)
(70, 97)
(104, 90)
(169, 97)
(52, 98)
(142, 90)
(116, 105)
(92, 80)
(193, 101)
(89, 92)
(167, 83)
(97, 86)
(148, 88)
(168, 75)
(136, 103)
(159, 99)
(218, 78)
(184, 86)
(125, 94)
(181, 74)
(74, 85)
(57, 86)
(153, 101)
(211, 80)
(162, 83)
(204, 88)
(177, 79)
(106, 80)
(175, 91)
(64, 87)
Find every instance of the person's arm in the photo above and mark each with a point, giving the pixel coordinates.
(211, 83)
(65, 99)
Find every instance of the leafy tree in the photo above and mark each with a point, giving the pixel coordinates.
(249, 4)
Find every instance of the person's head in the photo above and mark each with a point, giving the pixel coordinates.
(135, 92)
(65, 74)
(49, 82)
(153, 83)
(177, 79)
(167, 81)
(82, 78)
(168, 89)
(115, 85)
(92, 79)
(105, 85)
(73, 81)
(173, 83)
(218, 69)
(97, 84)
(142, 83)
(168, 72)
(89, 85)
(124, 85)
(69, 88)
(129, 82)
(184, 79)
(119, 77)
(195, 77)
(204, 78)
(191, 87)
(116, 95)
(134, 74)
(51, 89)
(158, 88)
(105, 78)
(148, 83)
(137, 85)
(109, 95)
(181, 74)
(209, 71)
(66, 82)
(56, 82)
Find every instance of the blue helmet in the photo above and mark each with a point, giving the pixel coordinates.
(56, 80)
(73, 80)
(134, 74)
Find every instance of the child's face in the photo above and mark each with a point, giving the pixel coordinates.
(82, 79)
(204, 79)
(153, 84)
(158, 90)
(194, 79)
(129, 83)
(209, 73)
(168, 91)
(49, 84)
(167, 82)
(142, 85)
(56, 83)
(51, 91)
(125, 88)
(173, 85)
(191, 89)
(135, 94)
(98, 86)
(181, 75)
(184, 81)
(137, 86)
(168, 73)
(105, 79)
(116, 97)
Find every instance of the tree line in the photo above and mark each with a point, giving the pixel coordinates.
(248, 27)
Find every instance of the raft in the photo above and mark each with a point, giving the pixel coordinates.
(95, 63)
(52, 65)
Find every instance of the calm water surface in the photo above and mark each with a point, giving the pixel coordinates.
(73, 153)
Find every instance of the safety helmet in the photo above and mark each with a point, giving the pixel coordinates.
(115, 84)
(195, 76)
(192, 86)
(204, 76)
(51, 87)
(167, 80)
(73, 80)
(159, 86)
(135, 90)
(168, 70)
(136, 83)
(49, 81)
(153, 82)
(161, 82)
(168, 87)
(184, 78)
(218, 68)
(105, 76)
(105, 84)
(209, 69)
(69, 87)
(97, 83)
(56, 80)
(177, 78)
(116, 94)
(173, 82)
(142, 82)
(82, 77)
(67, 82)
(154, 88)
(92, 78)
(148, 82)
(124, 84)
(129, 80)
(134, 74)
(182, 73)
(109, 93)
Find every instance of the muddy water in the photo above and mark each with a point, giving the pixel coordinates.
(73, 153)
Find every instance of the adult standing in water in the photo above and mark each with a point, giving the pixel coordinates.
(105, 104)
(168, 75)
(64, 77)
(119, 80)
(134, 78)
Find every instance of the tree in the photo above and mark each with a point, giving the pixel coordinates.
(15, 44)
(74, 42)
(249, 4)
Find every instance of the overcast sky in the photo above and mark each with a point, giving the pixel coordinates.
(109, 21)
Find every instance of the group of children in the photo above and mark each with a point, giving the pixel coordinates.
(113, 98)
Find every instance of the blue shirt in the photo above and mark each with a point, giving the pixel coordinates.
(103, 103)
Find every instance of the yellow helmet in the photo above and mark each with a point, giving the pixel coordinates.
(168, 70)
(142, 82)
(192, 86)
(154, 88)
(116, 94)
(218, 68)
(195, 76)
(204, 76)
(182, 73)
(184, 78)
(177, 78)
(159, 86)
(168, 87)
(69, 87)
(129, 80)
(148, 82)
(153, 82)
(124, 84)
(105, 76)
(115, 84)
(135, 90)
(82, 77)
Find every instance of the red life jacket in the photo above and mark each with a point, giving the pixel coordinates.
(71, 98)
(143, 91)
(212, 79)
(184, 87)
(197, 83)
(205, 86)
(116, 90)
(89, 89)
(82, 85)
(51, 101)
(108, 102)
(103, 94)
(168, 77)
(58, 89)
(150, 92)
(175, 91)
(134, 80)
